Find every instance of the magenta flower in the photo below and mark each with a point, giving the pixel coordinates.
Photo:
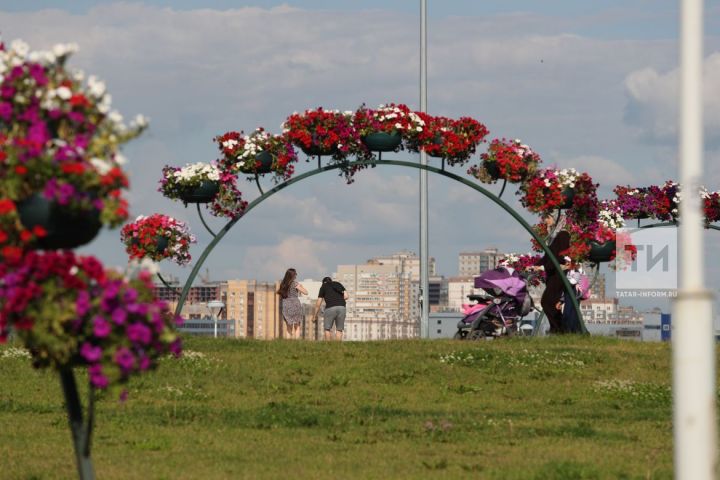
(97, 378)
(82, 304)
(90, 352)
(124, 359)
(139, 333)
(101, 327)
(119, 316)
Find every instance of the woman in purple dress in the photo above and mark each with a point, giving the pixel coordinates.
(291, 307)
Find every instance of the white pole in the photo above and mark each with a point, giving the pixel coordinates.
(215, 319)
(692, 337)
(424, 274)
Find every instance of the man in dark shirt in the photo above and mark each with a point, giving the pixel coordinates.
(334, 295)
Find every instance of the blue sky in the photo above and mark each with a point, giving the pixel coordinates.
(588, 84)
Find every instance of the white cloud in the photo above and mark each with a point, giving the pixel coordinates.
(653, 101)
(199, 73)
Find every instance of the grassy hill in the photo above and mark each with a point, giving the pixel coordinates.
(552, 408)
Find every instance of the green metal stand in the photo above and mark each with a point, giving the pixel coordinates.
(81, 430)
(216, 239)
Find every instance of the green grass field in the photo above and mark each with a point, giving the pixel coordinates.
(554, 408)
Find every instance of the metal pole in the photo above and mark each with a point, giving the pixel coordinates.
(215, 322)
(692, 337)
(424, 277)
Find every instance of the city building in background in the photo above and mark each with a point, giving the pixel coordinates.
(383, 298)
(475, 263)
(458, 290)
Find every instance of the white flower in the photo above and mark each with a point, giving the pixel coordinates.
(20, 48)
(120, 159)
(63, 49)
(115, 117)
(102, 166)
(140, 121)
(96, 88)
(63, 92)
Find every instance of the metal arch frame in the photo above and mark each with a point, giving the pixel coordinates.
(441, 171)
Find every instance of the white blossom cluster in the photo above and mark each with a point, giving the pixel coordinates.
(610, 215)
(385, 113)
(254, 144)
(567, 177)
(197, 171)
(522, 149)
(53, 96)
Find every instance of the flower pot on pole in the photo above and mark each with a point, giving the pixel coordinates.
(65, 228)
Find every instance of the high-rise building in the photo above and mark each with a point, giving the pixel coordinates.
(383, 300)
(254, 307)
(458, 290)
(475, 263)
(406, 262)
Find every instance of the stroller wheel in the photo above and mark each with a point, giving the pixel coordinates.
(476, 335)
(460, 335)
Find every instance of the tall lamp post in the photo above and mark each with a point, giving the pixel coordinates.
(215, 307)
(424, 274)
(693, 344)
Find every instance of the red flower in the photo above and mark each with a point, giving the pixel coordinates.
(3, 237)
(26, 236)
(12, 254)
(6, 206)
(21, 169)
(39, 231)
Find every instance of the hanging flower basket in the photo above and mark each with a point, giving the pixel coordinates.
(492, 169)
(601, 252)
(382, 141)
(568, 196)
(158, 237)
(317, 150)
(204, 193)
(263, 164)
(161, 243)
(65, 228)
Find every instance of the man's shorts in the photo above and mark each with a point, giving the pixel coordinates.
(335, 315)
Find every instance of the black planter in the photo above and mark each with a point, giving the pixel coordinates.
(263, 164)
(601, 252)
(161, 243)
(568, 195)
(317, 151)
(492, 169)
(204, 193)
(65, 228)
(382, 142)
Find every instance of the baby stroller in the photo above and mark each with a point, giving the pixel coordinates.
(499, 311)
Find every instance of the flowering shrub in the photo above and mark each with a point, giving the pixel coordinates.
(584, 209)
(453, 140)
(142, 237)
(180, 181)
(390, 118)
(69, 311)
(634, 202)
(522, 262)
(542, 192)
(512, 160)
(58, 137)
(241, 152)
(327, 132)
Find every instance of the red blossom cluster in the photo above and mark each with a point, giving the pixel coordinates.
(158, 237)
(513, 160)
(542, 192)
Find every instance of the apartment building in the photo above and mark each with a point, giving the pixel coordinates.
(475, 263)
